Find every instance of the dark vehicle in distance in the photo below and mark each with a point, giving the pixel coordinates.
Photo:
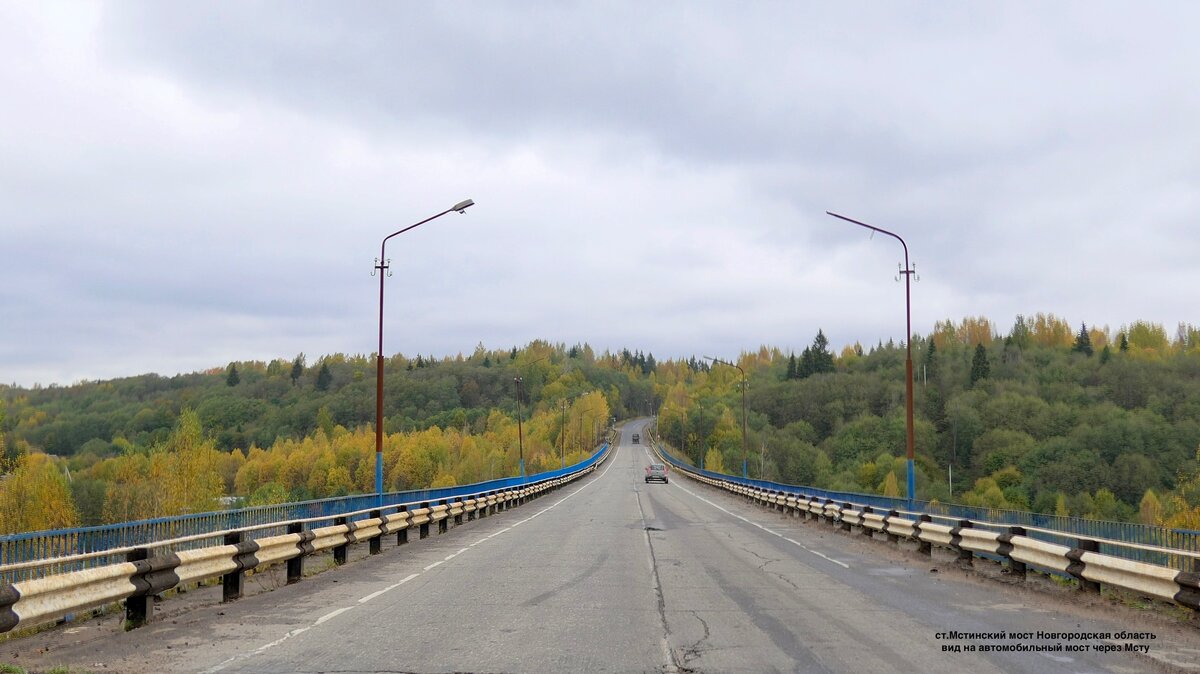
(636, 438)
(656, 471)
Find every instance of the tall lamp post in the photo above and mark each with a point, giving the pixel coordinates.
(562, 429)
(520, 382)
(907, 271)
(745, 474)
(382, 265)
(520, 433)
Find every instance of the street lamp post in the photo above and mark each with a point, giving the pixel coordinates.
(562, 425)
(908, 272)
(745, 474)
(382, 265)
(520, 433)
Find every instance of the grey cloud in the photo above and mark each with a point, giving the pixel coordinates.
(191, 184)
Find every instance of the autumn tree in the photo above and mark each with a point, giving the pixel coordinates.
(35, 496)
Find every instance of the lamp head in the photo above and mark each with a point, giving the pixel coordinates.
(463, 205)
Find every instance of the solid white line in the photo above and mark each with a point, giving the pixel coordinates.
(769, 531)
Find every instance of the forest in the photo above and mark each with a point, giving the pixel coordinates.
(1080, 422)
(1044, 416)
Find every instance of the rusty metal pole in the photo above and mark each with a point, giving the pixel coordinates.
(907, 272)
(382, 265)
(520, 432)
(562, 428)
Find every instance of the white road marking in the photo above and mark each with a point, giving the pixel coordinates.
(389, 588)
(769, 531)
(373, 595)
(331, 615)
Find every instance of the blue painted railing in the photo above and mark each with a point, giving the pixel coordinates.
(40, 545)
(1066, 530)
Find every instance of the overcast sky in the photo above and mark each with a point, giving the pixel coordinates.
(186, 184)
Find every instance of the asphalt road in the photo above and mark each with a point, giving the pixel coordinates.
(614, 575)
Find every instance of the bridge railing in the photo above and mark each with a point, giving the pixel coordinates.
(22, 554)
(140, 574)
(1153, 544)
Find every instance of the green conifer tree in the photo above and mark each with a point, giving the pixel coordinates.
(1083, 342)
(324, 377)
(297, 369)
(980, 368)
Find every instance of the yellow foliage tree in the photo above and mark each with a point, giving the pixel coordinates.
(890, 486)
(714, 461)
(35, 496)
(1150, 509)
(1050, 330)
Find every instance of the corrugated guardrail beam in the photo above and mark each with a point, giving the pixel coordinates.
(969, 538)
(143, 575)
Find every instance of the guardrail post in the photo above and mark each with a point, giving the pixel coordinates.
(892, 538)
(472, 514)
(423, 530)
(862, 525)
(458, 519)
(339, 551)
(375, 545)
(1075, 568)
(138, 609)
(233, 582)
(444, 523)
(402, 535)
(295, 565)
(1015, 567)
(965, 557)
(846, 525)
(923, 547)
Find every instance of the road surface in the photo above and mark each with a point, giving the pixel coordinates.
(611, 574)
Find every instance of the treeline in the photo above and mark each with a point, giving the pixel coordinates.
(271, 432)
(1086, 422)
(1047, 417)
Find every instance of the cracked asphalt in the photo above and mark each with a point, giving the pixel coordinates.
(611, 574)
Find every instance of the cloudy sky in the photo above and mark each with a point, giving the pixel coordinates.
(186, 184)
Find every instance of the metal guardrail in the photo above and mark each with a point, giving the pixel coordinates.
(200, 529)
(145, 572)
(1080, 558)
(1139, 542)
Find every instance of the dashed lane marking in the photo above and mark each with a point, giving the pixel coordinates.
(373, 595)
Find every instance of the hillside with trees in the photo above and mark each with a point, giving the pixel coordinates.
(1045, 417)
(109, 451)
